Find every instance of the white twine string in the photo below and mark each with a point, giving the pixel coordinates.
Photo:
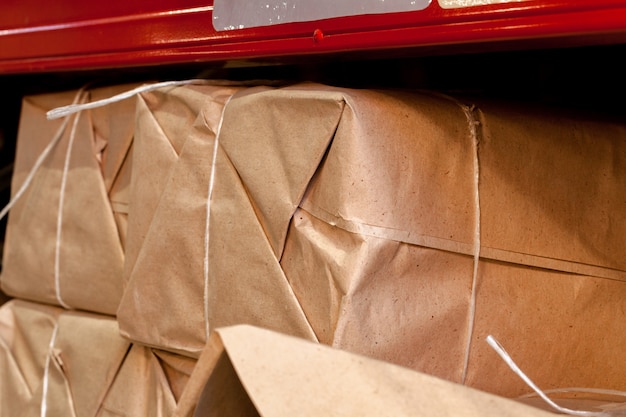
(57, 248)
(473, 123)
(208, 218)
(578, 390)
(468, 111)
(46, 372)
(509, 361)
(74, 108)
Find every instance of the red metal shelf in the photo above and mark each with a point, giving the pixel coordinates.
(37, 36)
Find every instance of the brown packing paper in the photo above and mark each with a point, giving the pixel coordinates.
(349, 217)
(95, 205)
(165, 118)
(87, 352)
(280, 376)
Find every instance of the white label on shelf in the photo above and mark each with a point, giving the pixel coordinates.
(457, 4)
(240, 14)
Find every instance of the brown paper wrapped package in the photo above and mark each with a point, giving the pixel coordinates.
(87, 352)
(174, 140)
(95, 205)
(282, 376)
(93, 371)
(351, 218)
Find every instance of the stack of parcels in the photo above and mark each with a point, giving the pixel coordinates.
(402, 226)
(60, 347)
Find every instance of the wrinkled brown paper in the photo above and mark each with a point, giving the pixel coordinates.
(95, 205)
(348, 217)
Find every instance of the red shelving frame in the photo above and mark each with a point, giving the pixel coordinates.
(38, 36)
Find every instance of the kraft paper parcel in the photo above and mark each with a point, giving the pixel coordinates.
(350, 217)
(89, 244)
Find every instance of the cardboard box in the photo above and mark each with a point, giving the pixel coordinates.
(354, 218)
(87, 249)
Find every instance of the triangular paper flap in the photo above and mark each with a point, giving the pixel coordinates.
(140, 388)
(401, 166)
(177, 369)
(115, 123)
(193, 297)
(164, 120)
(282, 376)
(258, 293)
(151, 148)
(276, 139)
(260, 290)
